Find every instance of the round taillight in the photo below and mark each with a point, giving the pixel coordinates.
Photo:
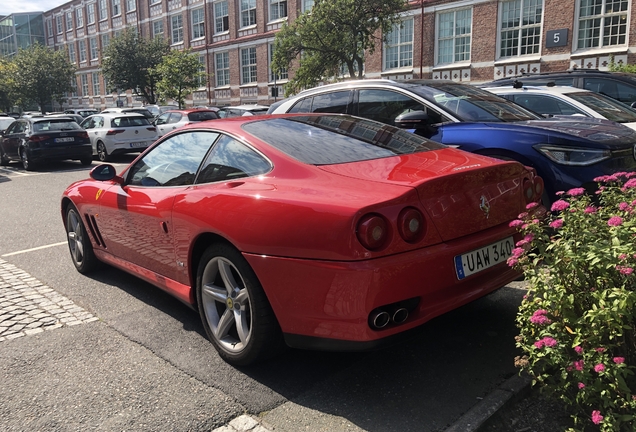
(528, 190)
(411, 225)
(372, 231)
(538, 187)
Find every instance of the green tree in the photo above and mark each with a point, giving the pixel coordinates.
(333, 35)
(128, 63)
(8, 95)
(179, 74)
(42, 75)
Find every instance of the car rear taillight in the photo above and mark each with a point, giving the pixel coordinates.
(151, 128)
(39, 138)
(533, 189)
(83, 134)
(528, 190)
(411, 224)
(372, 231)
(115, 131)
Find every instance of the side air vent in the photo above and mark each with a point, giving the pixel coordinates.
(91, 223)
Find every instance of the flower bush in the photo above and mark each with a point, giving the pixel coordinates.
(578, 321)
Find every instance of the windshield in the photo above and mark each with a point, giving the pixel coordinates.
(605, 106)
(335, 139)
(470, 103)
(55, 125)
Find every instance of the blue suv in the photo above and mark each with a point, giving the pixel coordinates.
(567, 152)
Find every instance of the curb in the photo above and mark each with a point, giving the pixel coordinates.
(473, 419)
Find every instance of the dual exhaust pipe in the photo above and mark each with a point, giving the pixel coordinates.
(381, 318)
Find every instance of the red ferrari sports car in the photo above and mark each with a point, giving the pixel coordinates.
(318, 231)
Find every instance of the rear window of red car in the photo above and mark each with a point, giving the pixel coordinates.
(326, 140)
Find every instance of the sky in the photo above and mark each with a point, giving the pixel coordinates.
(13, 6)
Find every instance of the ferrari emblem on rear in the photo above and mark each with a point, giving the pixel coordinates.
(484, 205)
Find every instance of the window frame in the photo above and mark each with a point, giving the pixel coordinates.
(90, 13)
(131, 6)
(72, 57)
(82, 51)
(283, 75)
(278, 6)
(103, 10)
(69, 21)
(84, 81)
(79, 17)
(178, 37)
(93, 47)
(454, 37)
(58, 24)
(153, 28)
(96, 85)
(520, 28)
(249, 71)
(247, 13)
(221, 21)
(116, 6)
(222, 71)
(197, 23)
(601, 29)
(400, 45)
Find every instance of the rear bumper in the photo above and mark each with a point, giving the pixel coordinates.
(81, 151)
(326, 304)
(126, 147)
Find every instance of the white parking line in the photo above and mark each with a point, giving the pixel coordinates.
(34, 249)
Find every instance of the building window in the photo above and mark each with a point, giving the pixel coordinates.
(520, 27)
(248, 65)
(222, 71)
(176, 27)
(152, 2)
(116, 7)
(105, 41)
(96, 88)
(79, 17)
(84, 85)
(203, 78)
(49, 28)
(90, 13)
(398, 51)
(71, 53)
(307, 5)
(94, 52)
(157, 28)
(453, 36)
(281, 73)
(248, 13)
(198, 24)
(277, 9)
(221, 17)
(131, 5)
(58, 24)
(82, 51)
(103, 10)
(602, 23)
(69, 21)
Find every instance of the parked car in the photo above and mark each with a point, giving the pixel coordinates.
(118, 133)
(30, 114)
(36, 140)
(5, 122)
(221, 215)
(242, 110)
(566, 152)
(84, 112)
(563, 100)
(138, 110)
(617, 85)
(160, 109)
(75, 117)
(171, 120)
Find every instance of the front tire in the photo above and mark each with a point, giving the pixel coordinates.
(234, 309)
(78, 242)
(4, 159)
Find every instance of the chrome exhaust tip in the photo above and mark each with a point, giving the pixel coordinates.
(380, 319)
(400, 315)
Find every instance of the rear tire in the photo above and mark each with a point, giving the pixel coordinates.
(102, 153)
(86, 161)
(4, 160)
(27, 164)
(78, 242)
(234, 309)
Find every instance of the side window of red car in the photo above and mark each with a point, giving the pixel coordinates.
(230, 159)
(174, 162)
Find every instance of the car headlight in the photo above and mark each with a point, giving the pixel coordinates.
(573, 156)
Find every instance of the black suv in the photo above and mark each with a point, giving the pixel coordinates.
(617, 85)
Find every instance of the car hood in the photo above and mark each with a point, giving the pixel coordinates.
(590, 129)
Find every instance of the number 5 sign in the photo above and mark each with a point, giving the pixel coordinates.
(556, 38)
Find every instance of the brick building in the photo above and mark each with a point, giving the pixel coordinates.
(465, 40)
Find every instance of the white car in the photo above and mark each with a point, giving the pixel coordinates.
(139, 110)
(171, 120)
(117, 133)
(563, 100)
(84, 112)
(242, 110)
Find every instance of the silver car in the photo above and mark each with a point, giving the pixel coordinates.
(118, 133)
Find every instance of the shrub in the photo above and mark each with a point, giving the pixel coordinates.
(577, 323)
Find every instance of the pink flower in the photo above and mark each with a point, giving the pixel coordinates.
(523, 215)
(559, 193)
(590, 210)
(599, 368)
(522, 242)
(576, 191)
(624, 206)
(619, 360)
(578, 349)
(631, 183)
(596, 417)
(538, 317)
(531, 205)
(626, 270)
(539, 344)
(622, 257)
(556, 224)
(578, 365)
(599, 350)
(581, 386)
(512, 261)
(559, 205)
(529, 237)
(517, 252)
(515, 223)
(615, 221)
(535, 221)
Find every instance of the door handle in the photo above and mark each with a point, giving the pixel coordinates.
(164, 227)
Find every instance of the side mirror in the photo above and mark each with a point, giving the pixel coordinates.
(412, 120)
(633, 105)
(105, 172)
